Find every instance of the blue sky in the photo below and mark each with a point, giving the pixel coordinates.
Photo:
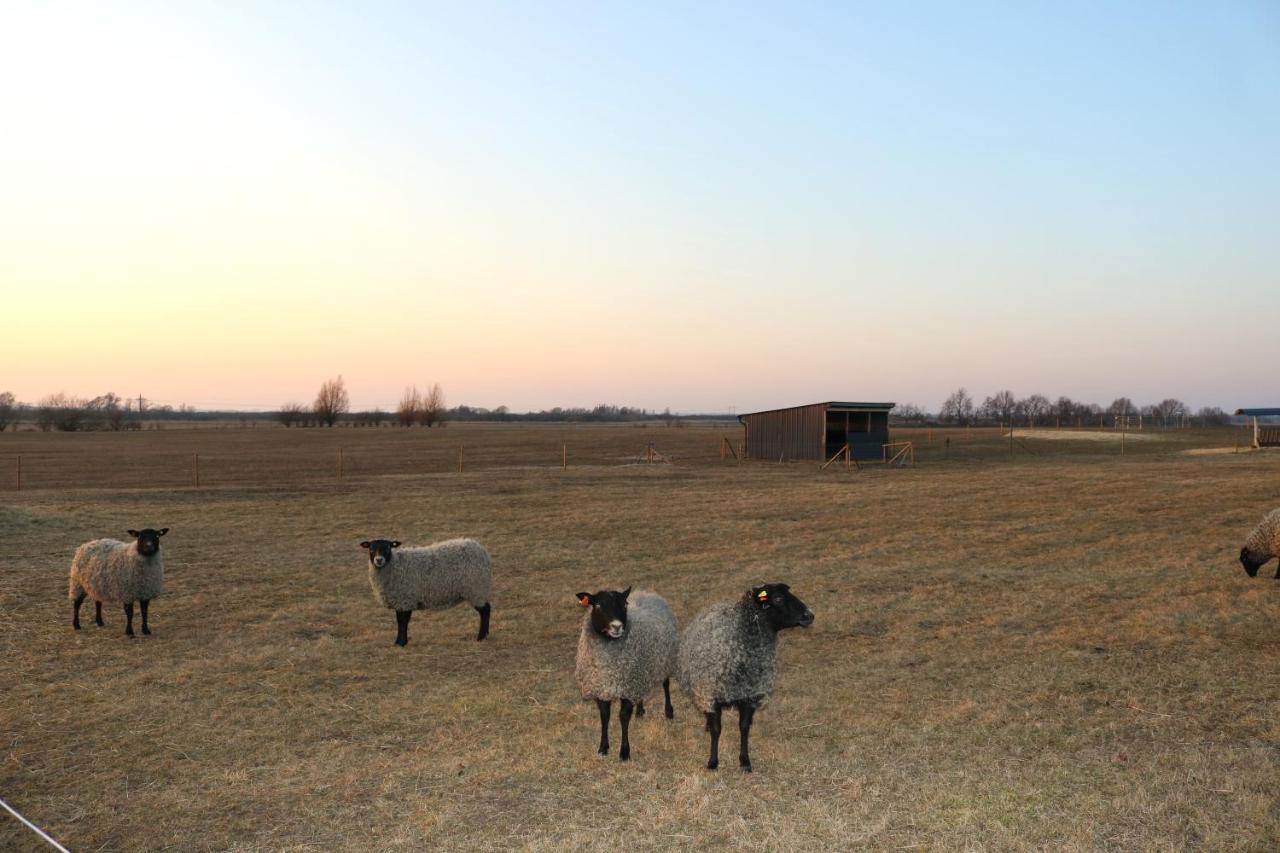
(659, 205)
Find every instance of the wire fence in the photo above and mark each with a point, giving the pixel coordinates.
(221, 458)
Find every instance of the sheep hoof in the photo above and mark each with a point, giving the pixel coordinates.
(400, 642)
(640, 709)
(624, 755)
(604, 750)
(712, 764)
(129, 634)
(746, 767)
(147, 631)
(75, 625)
(670, 713)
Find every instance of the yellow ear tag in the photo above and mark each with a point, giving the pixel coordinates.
(763, 595)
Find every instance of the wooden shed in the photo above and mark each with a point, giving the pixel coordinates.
(1263, 435)
(818, 431)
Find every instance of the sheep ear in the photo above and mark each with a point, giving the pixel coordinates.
(626, 592)
(162, 531)
(364, 545)
(585, 599)
(132, 533)
(395, 544)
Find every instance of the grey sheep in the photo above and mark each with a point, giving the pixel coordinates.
(728, 657)
(1262, 545)
(430, 577)
(118, 572)
(625, 649)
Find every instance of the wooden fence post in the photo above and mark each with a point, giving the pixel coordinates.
(460, 452)
(339, 463)
(20, 465)
(564, 456)
(195, 468)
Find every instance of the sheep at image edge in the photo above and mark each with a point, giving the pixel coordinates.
(1262, 545)
(625, 650)
(728, 657)
(118, 572)
(430, 577)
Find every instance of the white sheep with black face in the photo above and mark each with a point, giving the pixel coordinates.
(729, 657)
(1262, 545)
(118, 572)
(626, 648)
(430, 577)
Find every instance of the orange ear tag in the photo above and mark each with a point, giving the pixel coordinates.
(584, 601)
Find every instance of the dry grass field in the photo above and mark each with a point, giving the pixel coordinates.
(1049, 648)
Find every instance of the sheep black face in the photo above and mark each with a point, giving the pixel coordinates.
(780, 607)
(608, 612)
(148, 540)
(1253, 561)
(380, 551)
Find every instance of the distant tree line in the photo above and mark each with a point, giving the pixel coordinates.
(1004, 408)
(108, 412)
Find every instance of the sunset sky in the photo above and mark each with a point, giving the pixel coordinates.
(686, 205)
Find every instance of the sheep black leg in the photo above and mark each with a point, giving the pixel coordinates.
(666, 692)
(128, 619)
(745, 712)
(402, 627)
(604, 726)
(97, 614)
(484, 621)
(713, 726)
(75, 611)
(143, 604)
(640, 708)
(625, 716)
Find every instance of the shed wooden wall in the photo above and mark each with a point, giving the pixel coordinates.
(790, 433)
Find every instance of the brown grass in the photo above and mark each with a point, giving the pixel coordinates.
(1054, 651)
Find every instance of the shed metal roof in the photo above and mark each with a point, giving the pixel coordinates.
(843, 407)
(1259, 413)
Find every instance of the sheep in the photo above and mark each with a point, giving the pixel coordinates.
(1263, 544)
(120, 572)
(624, 650)
(728, 656)
(430, 577)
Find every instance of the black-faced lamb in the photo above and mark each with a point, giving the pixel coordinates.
(118, 572)
(1262, 545)
(728, 657)
(626, 648)
(430, 577)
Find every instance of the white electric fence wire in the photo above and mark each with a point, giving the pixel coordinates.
(37, 830)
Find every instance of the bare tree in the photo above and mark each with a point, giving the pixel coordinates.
(1169, 410)
(908, 413)
(957, 408)
(1211, 416)
(1000, 406)
(8, 410)
(433, 406)
(291, 413)
(1034, 408)
(410, 407)
(332, 401)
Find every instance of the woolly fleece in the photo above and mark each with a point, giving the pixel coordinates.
(112, 571)
(434, 577)
(634, 665)
(728, 654)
